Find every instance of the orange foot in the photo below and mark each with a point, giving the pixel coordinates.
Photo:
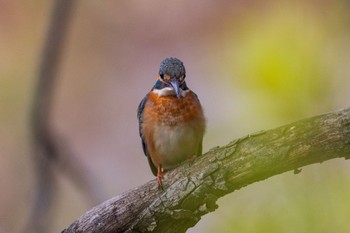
(160, 176)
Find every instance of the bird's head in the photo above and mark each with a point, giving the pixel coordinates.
(172, 75)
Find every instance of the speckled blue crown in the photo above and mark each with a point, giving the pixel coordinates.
(173, 67)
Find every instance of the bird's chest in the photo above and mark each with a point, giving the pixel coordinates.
(173, 128)
(171, 111)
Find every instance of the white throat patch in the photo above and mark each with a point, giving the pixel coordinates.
(168, 91)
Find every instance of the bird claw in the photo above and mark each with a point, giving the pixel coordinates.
(160, 176)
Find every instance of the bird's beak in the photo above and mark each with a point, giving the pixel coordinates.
(175, 84)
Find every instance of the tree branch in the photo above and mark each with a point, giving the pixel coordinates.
(44, 149)
(192, 189)
(49, 150)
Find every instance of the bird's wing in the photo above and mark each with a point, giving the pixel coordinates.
(199, 149)
(140, 110)
(144, 145)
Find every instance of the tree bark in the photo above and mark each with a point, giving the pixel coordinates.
(191, 190)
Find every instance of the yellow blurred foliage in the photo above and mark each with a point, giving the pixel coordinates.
(283, 54)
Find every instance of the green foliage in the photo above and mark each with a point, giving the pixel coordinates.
(285, 58)
(290, 203)
(282, 56)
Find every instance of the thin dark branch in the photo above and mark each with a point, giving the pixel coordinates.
(48, 151)
(192, 189)
(44, 147)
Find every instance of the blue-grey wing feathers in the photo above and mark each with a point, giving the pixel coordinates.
(144, 145)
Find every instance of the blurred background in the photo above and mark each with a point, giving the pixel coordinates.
(255, 65)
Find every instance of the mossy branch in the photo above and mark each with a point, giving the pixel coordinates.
(191, 190)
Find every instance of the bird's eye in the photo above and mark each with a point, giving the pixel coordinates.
(166, 77)
(161, 76)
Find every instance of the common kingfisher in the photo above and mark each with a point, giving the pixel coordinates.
(171, 120)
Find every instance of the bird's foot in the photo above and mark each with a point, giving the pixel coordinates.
(160, 176)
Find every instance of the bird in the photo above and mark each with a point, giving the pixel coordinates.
(171, 120)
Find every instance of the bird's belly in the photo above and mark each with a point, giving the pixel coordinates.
(174, 144)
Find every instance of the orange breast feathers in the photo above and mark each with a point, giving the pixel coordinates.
(173, 128)
(171, 111)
